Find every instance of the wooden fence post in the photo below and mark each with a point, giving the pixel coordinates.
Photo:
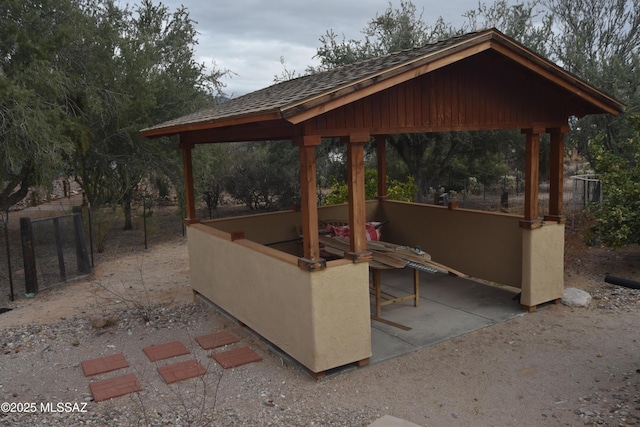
(60, 252)
(28, 256)
(82, 255)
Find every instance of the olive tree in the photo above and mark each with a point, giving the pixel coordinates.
(36, 127)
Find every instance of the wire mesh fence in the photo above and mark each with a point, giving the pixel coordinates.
(59, 247)
(41, 253)
(579, 191)
(53, 231)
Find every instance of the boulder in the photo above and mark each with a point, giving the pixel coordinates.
(574, 297)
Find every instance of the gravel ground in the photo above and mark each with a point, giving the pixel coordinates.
(559, 366)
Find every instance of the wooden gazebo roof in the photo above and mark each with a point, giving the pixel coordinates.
(481, 80)
(273, 112)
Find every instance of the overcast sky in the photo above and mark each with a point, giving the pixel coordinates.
(248, 37)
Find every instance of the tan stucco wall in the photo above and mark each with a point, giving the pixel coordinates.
(484, 245)
(275, 226)
(543, 264)
(321, 319)
(267, 228)
(262, 228)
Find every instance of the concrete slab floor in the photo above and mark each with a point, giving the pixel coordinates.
(449, 306)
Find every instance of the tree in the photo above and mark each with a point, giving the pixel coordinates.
(599, 40)
(36, 132)
(430, 157)
(618, 214)
(264, 176)
(211, 168)
(524, 22)
(147, 75)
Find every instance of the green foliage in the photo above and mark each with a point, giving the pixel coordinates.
(264, 176)
(525, 22)
(147, 75)
(36, 130)
(396, 190)
(448, 158)
(79, 79)
(618, 214)
(599, 40)
(403, 191)
(211, 167)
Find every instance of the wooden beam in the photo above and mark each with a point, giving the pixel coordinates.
(209, 123)
(355, 181)
(188, 183)
(381, 157)
(556, 175)
(390, 130)
(307, 146)
(262, 131)
(532, 160)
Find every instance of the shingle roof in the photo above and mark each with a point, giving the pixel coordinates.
(292, 92)
(293, 96)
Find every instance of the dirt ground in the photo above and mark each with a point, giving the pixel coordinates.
(557, 366)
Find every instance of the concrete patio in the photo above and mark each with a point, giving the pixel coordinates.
(449, 306)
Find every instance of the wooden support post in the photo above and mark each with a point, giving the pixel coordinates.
(532, 160)
(556, 175)
(381, 157)
(355, 182)
(307, 148)
(188, 183)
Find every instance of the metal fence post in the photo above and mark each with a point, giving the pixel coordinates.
(28, 256)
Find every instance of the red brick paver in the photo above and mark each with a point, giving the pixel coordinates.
(114, 387)
(181, 371)
(216, 339)
(165, 351)
(237, 357)
(101, 365)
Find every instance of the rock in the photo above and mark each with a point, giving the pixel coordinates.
(98, 322)
(574, 297)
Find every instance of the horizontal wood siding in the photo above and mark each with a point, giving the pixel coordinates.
(483, 92)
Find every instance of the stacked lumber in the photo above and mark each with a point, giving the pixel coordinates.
(390, 255)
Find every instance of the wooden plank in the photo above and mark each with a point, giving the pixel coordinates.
(392, 250)
(381, 157)
(390, 323)
(408, 103)
(397, 251)
(446, 268)
(377, 257)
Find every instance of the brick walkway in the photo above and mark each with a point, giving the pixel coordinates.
(121, 385)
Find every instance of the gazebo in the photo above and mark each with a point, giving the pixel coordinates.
(318, 311)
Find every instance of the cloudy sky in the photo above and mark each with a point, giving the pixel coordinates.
(248, 37)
